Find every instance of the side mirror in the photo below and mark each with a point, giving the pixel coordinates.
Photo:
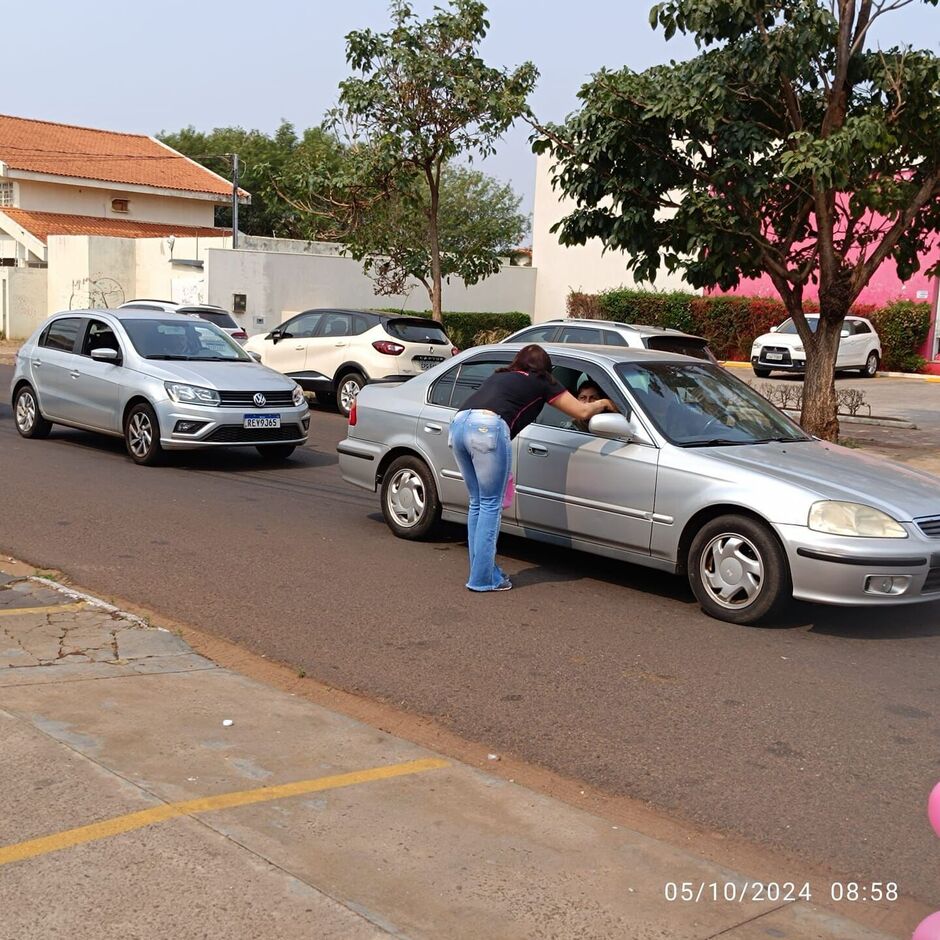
(773, 329)
(254, 355)
(106, 355)
(615, 427)
(844, 333)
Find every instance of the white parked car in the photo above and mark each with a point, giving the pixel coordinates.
(217, 315)
(334, 353)
(782, 349)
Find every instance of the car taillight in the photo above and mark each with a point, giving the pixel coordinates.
(241, 334)
(454, 350)
(390, 349)
(352, 414)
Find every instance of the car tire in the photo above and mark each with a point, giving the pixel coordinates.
(27, 415)
(410, 504)
(142, 435)
(756, 583)
(326, 399)
(348, 387)
(870, 369)
(276, 451)
(761, 373)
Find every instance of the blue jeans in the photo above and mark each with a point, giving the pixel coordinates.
(480, 440)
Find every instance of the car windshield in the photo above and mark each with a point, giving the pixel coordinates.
(788, 326)
(701, 405)
(218, 317)
(183, 338)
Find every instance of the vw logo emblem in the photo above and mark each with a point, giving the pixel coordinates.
(260, 400)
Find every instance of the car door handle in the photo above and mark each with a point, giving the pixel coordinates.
(75, 374)
(339, 344)
(37, 363)
(433, 428)
(301, 346)
(537, 450)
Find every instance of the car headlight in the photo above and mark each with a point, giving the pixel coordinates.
(298, 395)
(192, 394)
(837, 518)
(799, 349)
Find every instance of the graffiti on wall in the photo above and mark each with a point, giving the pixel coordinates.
(97, 292)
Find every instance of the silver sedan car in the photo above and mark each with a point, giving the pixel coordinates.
(698, 475)
(162, 381)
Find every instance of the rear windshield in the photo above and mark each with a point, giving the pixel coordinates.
(417, 331)
(681, 346)
(218, 317)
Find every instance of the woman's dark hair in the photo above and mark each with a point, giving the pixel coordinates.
(532, 359)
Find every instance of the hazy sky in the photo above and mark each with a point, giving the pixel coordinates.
(147, 67)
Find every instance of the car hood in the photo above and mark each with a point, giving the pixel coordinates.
(222, 376)
(779, 339)
(835, 472)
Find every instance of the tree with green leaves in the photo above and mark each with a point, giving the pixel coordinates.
(788, 146)
(421, 98)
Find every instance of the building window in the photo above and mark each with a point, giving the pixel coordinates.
(6, 195)
(120, 205)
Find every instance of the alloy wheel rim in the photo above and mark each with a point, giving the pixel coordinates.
(140, 435)
(25, 412)
(732, 571)
(406, 498)
(872, 366)
(348, 392)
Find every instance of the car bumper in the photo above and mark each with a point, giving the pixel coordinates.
(224, 427)
(359, 461)
(861, 572)
(795, 365)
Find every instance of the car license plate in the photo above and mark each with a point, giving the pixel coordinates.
(262, 421)
(427, 362)
(776, 357)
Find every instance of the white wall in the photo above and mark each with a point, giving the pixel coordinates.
(88, 200)
(278, 284)
(22, 301)
(157, 277)
(581, 267)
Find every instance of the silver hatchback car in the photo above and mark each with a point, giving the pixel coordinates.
(698, 475)
(162, 381)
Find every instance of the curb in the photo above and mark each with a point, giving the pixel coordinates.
(93, 602)
(874, 421)
(914, 376)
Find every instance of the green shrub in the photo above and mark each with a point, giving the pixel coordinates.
(462, 328)
(903, 327)
(731, 322)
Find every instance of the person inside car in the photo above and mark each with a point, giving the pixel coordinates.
(588, 392)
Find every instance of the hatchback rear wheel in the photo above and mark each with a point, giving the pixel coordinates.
(276, 451)
(738, 570)
(410, 504)
(28, 417)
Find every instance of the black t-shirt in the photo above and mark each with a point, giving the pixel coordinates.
(517, 397)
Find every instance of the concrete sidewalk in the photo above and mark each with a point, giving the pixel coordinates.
(146, 792)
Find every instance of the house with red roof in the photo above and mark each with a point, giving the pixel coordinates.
(81, 208)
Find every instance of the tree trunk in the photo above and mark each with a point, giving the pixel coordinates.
(820, 408)
(434, 244)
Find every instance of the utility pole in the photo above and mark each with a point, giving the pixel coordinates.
(234, 200)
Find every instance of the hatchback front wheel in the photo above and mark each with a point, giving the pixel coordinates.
(738, 570)
(142, 435)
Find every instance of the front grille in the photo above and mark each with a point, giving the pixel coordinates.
(783, 350)
(233, 434)
(932, 584)
(246, 399)
(930, 527)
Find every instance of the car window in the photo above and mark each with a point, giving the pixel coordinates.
(443, 388)
(538, 334)
(99, 335)
(335, 324)
(470, 376)
(62, 334)
(579, 334)
(573, 379)
(614, 339)
(218, 317)
(360, 325)
(302, 327)
(680, 345)
(417, 331)
(860, 327)
(183, 338)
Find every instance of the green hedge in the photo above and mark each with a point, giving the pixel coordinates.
(730, 322)
(463, 327)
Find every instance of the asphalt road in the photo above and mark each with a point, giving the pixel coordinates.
(821, 737)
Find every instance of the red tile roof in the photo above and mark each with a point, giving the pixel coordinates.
(44, 224)
(108, 156)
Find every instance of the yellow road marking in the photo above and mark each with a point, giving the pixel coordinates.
(49, 609)
(206, 804)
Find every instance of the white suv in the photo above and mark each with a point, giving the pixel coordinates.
(782, 349)
(336, 352)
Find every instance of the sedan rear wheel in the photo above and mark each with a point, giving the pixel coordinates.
(28, 417)
(409, 499)
(142, 435)
(738, 570)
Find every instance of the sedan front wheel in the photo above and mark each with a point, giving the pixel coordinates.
(738, 570)
(409, 498)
